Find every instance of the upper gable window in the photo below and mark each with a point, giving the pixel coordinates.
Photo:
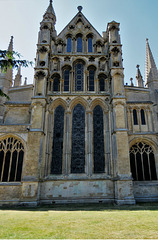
(79, 43)
(90, 47)
(69, 40)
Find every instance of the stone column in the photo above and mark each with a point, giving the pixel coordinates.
(107, 145)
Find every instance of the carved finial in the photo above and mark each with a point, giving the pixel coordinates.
(51, 1)
(147, 39)
(137, 66)
(131, 79)
(80, 8)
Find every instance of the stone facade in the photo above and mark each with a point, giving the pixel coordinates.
(78, 134)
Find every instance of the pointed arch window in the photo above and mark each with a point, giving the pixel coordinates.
(135, 117)
(69, 43)
(79, 77)
(57, 148)
(11, 160)
(102, 84)
(90, 45)
(143, 122)
(56, 84)
(142, 161)
(79, 43)
(98, 139)
(78, 140)
(66, 80)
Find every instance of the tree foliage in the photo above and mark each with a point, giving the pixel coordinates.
(11, 59)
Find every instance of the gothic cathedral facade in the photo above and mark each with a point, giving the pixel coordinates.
(78, 134)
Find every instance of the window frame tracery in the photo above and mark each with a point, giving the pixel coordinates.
(12, 151)
(142, 162)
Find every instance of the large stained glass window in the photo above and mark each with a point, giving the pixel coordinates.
(78, 140)
(79, 77)
(57, 148)
(98, 140)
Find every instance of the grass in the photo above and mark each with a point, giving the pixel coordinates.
(80, 222)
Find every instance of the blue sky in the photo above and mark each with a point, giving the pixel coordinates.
(137, 18)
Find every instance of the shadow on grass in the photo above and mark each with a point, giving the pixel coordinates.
(86, 207)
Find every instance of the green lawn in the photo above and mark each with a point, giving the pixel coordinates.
(81, 221)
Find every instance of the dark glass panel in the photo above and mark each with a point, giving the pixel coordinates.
(6, 167)
(78, 140)
(79, 44)
(56, 85)
(152, 167)
(91, 80)
(102, 84)
(133, 166)
(13, 167)
(139, 167)
(90, 48)
(146, 167)
(19, 168)
(143, 117)
(57, 151)
(79, 77)
(135, 119)
(69, 45)
(98, 139)
(66, 80)
(1, 162)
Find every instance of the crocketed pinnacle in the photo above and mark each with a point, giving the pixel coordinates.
(50, 13)
(10, 47)
(151, 72)
(139, 78)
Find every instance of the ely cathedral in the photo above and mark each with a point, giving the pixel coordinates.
(78, 134)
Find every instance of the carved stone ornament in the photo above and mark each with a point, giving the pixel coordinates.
(68, 100)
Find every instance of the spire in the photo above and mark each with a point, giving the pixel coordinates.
(151, 72)
(17, 81)
(139, 78)
(50, 13)
(10, 47)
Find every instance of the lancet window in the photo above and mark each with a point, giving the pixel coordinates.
(79, 43)
(98, 140)
(102, 84)
(135, 117)
(142, 161)
(66, 79)
(143, 122)
(11, 159)
(57, 148)
(56, 84)
(79, 77)
(90, 44)
(78, 140)
(69, 43)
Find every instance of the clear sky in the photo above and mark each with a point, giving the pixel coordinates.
(138, 20)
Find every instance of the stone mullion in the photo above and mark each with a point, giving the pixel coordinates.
(66, 163)
(147, 118)
(139, 119)
(131, 116)
(107, 145)
(89, 144)
(71, 81)
(48, 151)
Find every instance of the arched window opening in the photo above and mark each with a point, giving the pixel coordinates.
(78, 140)
(79, 43)
(57, 148)
(135, 118)
(142, 162)
(66, 80)
(79, 77)
(90, 45)
(142, 117)
(98, 140)
(11, 160)
(69, 42)
(91, 79)
(102, 84)
(56, 84)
